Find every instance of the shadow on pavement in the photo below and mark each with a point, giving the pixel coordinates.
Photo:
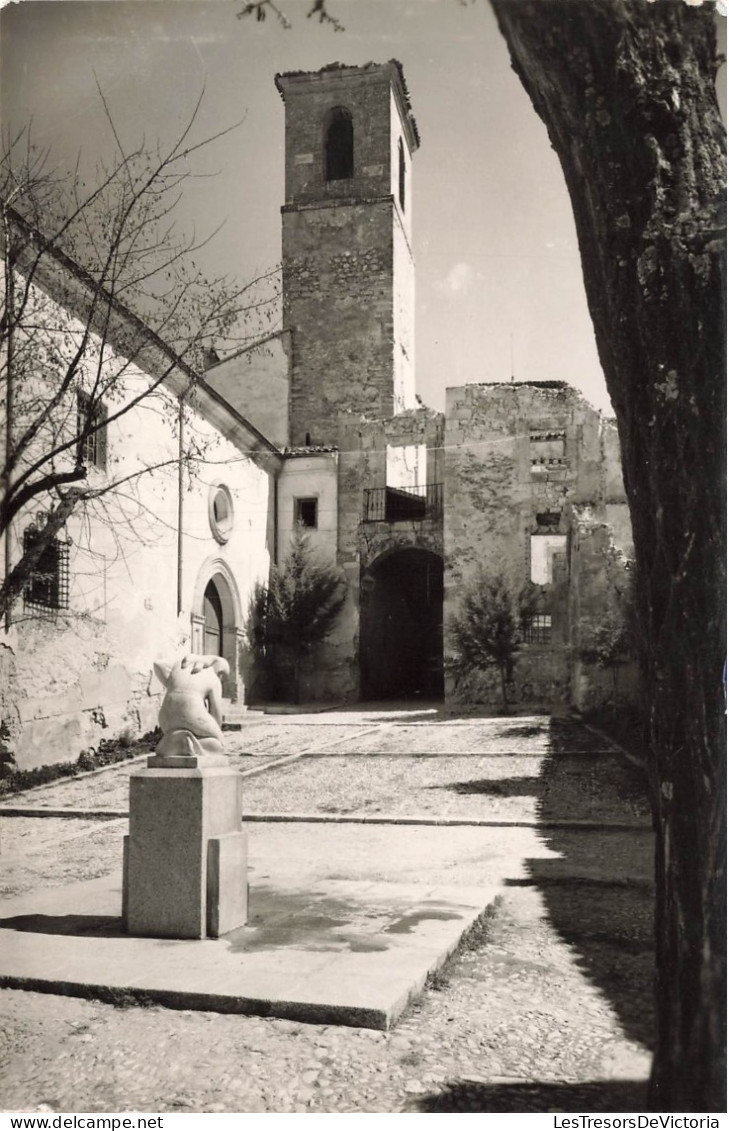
(594, 1097)
(598, 887)
(495, 787)
(102, 926)
(596, 883)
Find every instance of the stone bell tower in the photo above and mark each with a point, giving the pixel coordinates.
(348, 271)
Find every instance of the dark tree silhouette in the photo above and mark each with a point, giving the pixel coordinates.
(294, 613)
(626, 90)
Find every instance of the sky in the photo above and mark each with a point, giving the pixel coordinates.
(498, 281)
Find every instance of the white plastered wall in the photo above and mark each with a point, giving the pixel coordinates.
(82, 674)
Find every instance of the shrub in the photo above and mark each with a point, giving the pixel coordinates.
(294, 613)
(488, 630)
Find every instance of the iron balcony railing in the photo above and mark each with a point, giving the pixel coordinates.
(403, 504)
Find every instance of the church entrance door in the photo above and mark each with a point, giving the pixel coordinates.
(213, 613)
(216, 622)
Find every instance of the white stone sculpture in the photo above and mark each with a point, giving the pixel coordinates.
(191, 713)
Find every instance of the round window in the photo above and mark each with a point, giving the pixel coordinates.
(220, 512)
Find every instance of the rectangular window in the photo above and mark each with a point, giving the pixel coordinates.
(306, 512)
(547, 452)
(91, 431)
(48, 584)
(538, 630)
(406, 466)
(544, 549)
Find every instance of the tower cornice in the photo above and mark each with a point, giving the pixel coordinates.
(331, 76)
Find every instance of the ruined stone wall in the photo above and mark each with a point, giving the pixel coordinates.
(518, 460)
(403, 345)
(403, 265)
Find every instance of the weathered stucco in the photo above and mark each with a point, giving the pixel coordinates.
(78, 674)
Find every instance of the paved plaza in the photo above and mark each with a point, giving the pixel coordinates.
(540, 828)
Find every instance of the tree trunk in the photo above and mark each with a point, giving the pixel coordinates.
(626, 90)
(504, 696)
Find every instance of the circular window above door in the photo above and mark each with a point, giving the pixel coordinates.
(220, 512)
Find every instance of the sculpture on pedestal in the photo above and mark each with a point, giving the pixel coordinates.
(185, 859)
(191, 713)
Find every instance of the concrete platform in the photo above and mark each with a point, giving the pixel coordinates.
(344, 952)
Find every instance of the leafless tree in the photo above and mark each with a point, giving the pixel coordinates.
(99, 284)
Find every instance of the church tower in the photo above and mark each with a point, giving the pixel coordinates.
(348, 270)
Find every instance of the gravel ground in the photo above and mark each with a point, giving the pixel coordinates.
(549, 1010)
(501, 787)
(519, 1023)
(495, 769)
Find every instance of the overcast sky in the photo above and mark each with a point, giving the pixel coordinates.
(495, 247)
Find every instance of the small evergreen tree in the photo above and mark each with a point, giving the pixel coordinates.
(294, 613)
(488, 630)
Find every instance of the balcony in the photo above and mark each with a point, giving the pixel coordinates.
(403, 504)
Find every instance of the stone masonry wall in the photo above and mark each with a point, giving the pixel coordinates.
(338, 302)
(309, 98)
(348, 273)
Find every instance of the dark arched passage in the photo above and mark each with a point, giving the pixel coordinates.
(401, 628)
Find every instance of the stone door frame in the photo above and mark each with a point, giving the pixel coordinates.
(218, 571)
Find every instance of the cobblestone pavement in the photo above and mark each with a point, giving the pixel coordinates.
(468, 769)
(548, 1009)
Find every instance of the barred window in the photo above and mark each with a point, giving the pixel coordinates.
(538, 630)
(47, 587)
(91, 431)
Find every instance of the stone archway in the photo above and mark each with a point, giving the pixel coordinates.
(401, 640)
(217, 623)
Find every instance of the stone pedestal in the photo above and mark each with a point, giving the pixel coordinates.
(185, 859)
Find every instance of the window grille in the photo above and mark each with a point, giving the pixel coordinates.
(538, 630)
(47, 587)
